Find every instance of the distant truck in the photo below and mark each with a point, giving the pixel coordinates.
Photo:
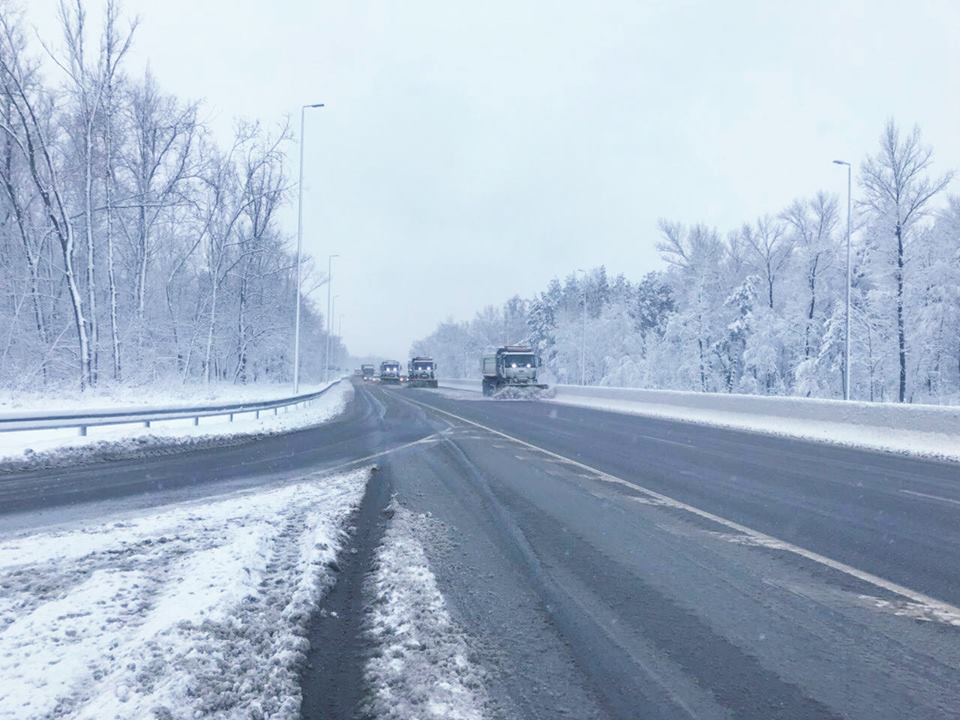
(422, 372)
(512, 366)
(368, 372)
(390, 372)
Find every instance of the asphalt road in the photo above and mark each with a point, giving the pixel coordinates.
(612, 566)
(361, 431)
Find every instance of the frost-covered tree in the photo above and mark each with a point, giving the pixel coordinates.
(762, 309)
(897, 192)
(134, 247)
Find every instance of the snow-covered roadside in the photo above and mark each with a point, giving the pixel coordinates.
(48, 448)
(940, 446)
(422, 667)
(897, 428)
(121, 397)
(199, 610)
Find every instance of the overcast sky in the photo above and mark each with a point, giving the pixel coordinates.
(470, 151)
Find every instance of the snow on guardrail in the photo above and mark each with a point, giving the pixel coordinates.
(82, 419)
(128, 434)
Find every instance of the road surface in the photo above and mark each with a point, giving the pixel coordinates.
(615, 566)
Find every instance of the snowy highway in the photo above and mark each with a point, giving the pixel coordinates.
(569, 562)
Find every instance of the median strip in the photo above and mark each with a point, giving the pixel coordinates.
(421, 666)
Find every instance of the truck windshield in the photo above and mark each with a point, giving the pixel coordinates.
(527, 361)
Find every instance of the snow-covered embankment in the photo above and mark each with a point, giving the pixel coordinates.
(192, 610)
(33, 448)
(922, 430)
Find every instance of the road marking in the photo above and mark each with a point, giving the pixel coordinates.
(945, 611)
(915, 611)
(429, 439)
(931, 497)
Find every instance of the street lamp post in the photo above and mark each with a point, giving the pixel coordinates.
(296, 322)
(846, 350)
(583, 330)
(329, 320)
(340, 337)
(333, 314)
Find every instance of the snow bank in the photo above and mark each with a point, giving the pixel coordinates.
(146, 396)
(422, 668)
(29, 449)
(195, 610)
(923, 430)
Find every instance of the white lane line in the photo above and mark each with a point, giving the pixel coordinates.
(931, 497)
(940, 608)
(428, 440)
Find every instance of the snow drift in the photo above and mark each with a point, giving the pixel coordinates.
(195, 609)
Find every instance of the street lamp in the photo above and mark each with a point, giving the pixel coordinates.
(333, 310)
(583, 330)
(846, 350)
(329, 322)
(296, 322)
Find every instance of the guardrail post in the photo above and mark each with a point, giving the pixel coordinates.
(258, 415)
(196, 420)
(275, 412)
(231, 417)
(146, 423)
(83, 431)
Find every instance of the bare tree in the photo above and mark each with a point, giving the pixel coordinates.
(813, 223)
(158, 164)
(698, 254)
(28, 134)
(91, 84)
(265, 188)
(112, 51)
(31, 241)
(898, 191)
(769, 249)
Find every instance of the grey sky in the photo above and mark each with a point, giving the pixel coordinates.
(470, 151)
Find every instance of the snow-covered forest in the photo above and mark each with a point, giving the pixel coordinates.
(133, 246)
(761, 309)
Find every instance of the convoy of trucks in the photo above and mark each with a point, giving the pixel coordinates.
(513, 370)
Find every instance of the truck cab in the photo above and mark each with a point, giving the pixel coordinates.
(390, 372)
(368, 372)
(514, 366)
(422, 372)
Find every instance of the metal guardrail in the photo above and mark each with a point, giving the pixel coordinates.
(146, 416)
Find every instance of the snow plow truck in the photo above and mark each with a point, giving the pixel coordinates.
(511, 370)
(390, 372)
(422, 372)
